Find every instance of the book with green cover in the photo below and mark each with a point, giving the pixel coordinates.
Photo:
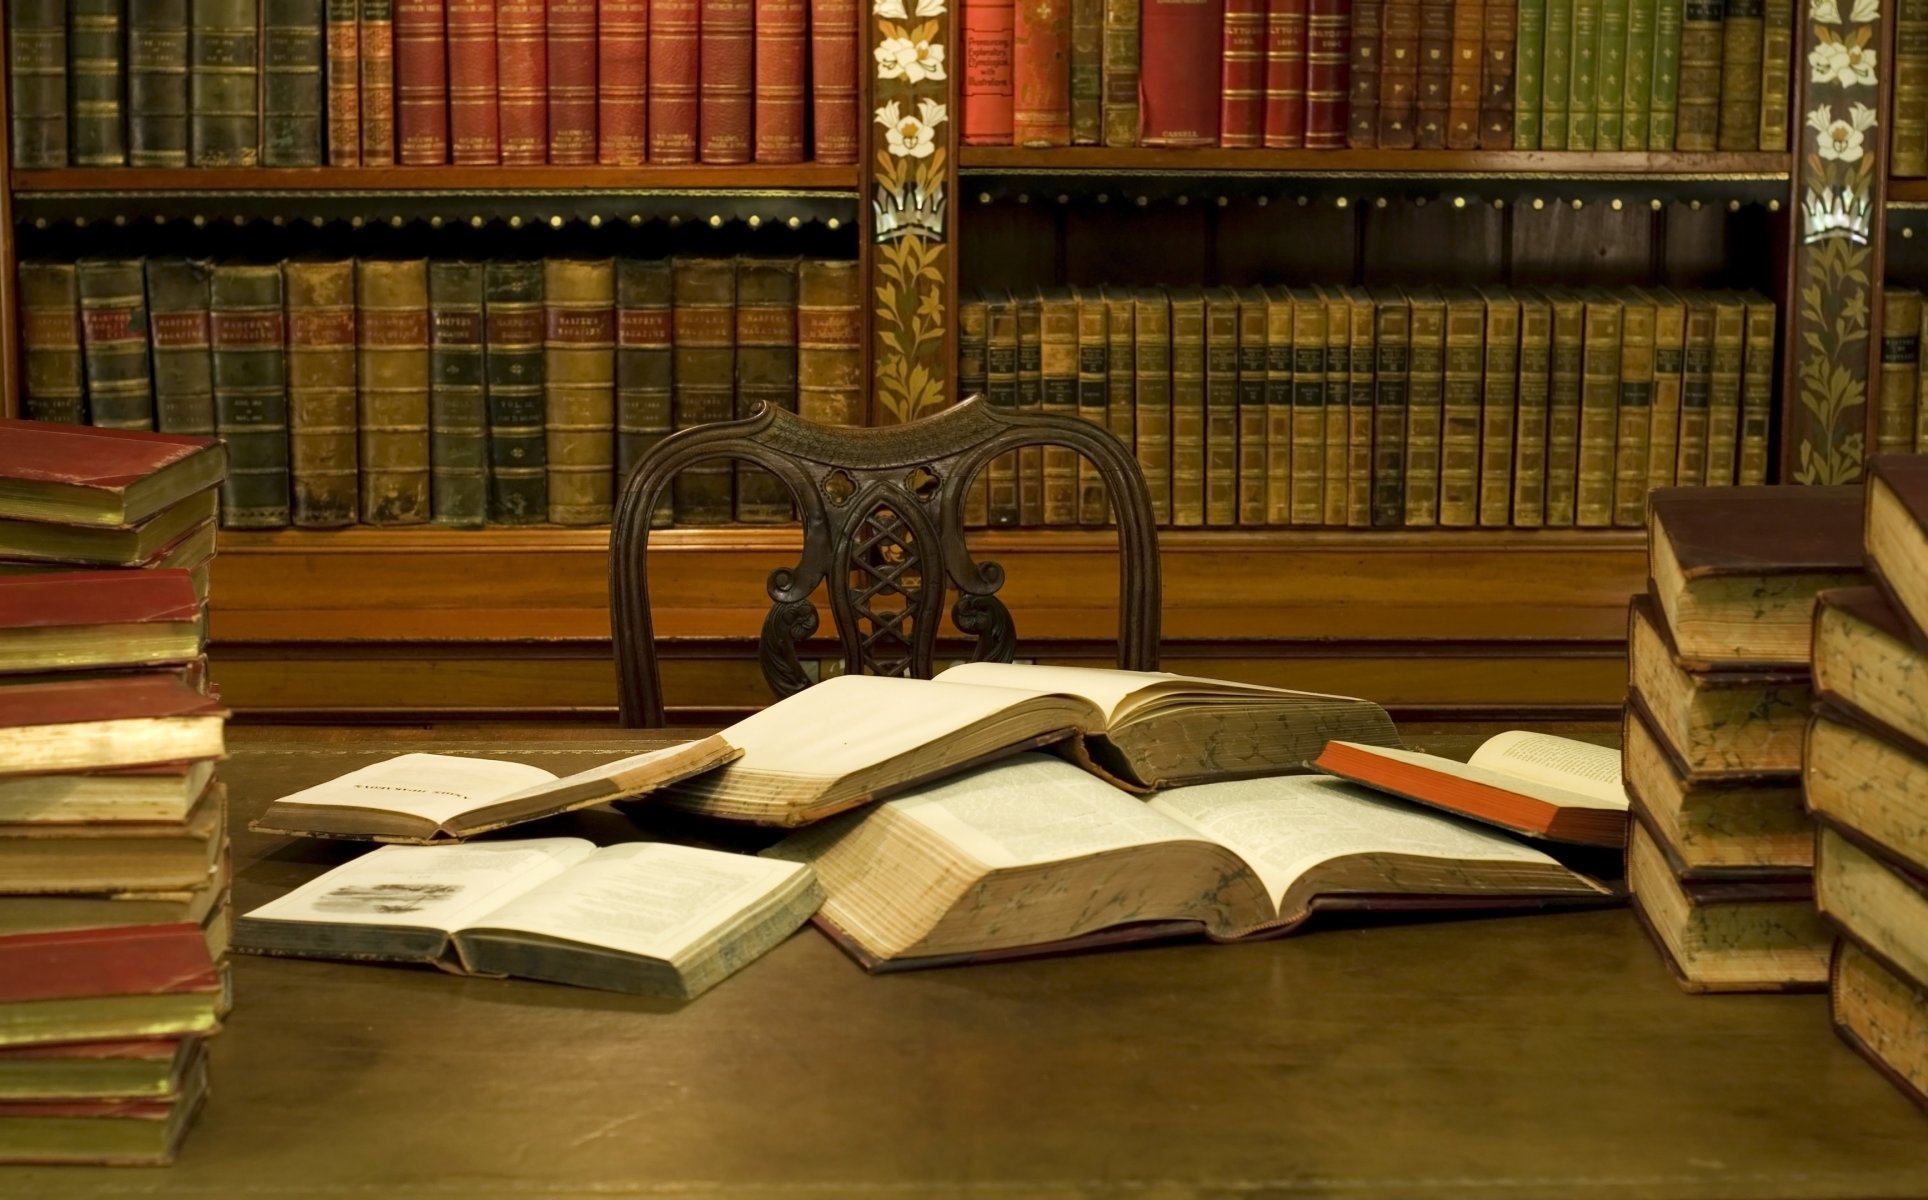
(1529, 426)
(1670, 340)
(1529, 66)
(1637, 91)
(1599, 397)
(1696, 390)
(1610, 75)
(1556, 74)
(1777, 62)
(766, 373)
(1665, 75)
(1582, 73)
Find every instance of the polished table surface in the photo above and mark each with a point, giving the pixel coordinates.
(1516, 1056)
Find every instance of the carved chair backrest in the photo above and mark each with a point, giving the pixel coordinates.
(883, 527)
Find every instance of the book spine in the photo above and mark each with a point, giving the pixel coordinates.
(96, 66)
(622, 77)
(972, 327)
(475, 133)
(1328, 58)
(1425, 401)
(377, 60)
(1463, 75)
(1757, 389)
(1599, 395)
(1058, 349)
(37, 81)
(1152, 396)
(989, 72)
(705, 372)
(833, 80)
(1499, 415)
(421, 83)
(782, 51)
(323, 450)
(522, 80)
(571, 50)
(1307, 458)
(674, 55)
(54, 376)
(249, 368)
(1908, 149)
(1901, 310)
(1392, 318)
(392, 369)
(726, 38)
(1362, 104)
(1041, 74)
(1360, 413)
(1582, 56)
(1724, 389)
(1740, 76)
(1565, 383)
(1497, 69)
(1094, 394)
(1334, 485)
(1121, 372)
(177, 308)
(1610, 75)
(1188, 408)
(1221, 407)
(1177, 104)
(1278, 407)
(1921, 403)
(513, 363)
(458, 408)
(1459, 433)
(341, 69)
(644, 366)
(291, 84)
(1001, 390)
(1431, 107)
(1696, 390)
(1030, 395)
(1637, 87)
(1665, 75)
(1398, 74)
(579, 383)
(1697, 114)
(1529, 80)
(1777, 71)
(1241, 105)
(222, 48)
(1556, 74)
(1529, 428)
(1087, 72)
(766, 373)
(1670, 343)
(157, 73)
(1285, 70)
(113, 326)
(1635, 418)
(1251, 407)
(830, 342)
(1121, 59)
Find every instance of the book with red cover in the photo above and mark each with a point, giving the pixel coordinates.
(622, 82)
(1179, 75)
(475, 133)
(1285, 74)
(522, 81)
(81, 475)
(1241, 103)
(421, 84)
(126, 960)
(1328, 66)
(726, 80)
(990, 31)
(833, 81)
(122, 721)
(672, 80)
(1041, 74)
(782, 54)
(572, 82)
(69, 598)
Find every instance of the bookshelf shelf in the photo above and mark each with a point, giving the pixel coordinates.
(448, 180)
(1523, 164)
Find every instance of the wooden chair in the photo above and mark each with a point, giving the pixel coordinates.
(882, 512)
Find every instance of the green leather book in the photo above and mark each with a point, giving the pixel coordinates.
(1582, 72)
(1459, 430)
(291, 84)
(392, 374)
(1001, 390)
(1152, 397)
(1392, 337)
(157, 57)
(1556, 75)
(704, 317)
(1665, 75)
(1094, 397)
(766, 373)
(645, 367)
(1087, 71)
(1610, 75)
(1058, 350)
(1030, 315)
(177, 318)
(1599, 398)
(113, 326)
(223, 66)
(972, 326)
(1251, 406)
(37, 82)
(1308, 406)
(1777, 67)
(1278, 406)
(1740, 76)
(96, 67)
(512, 361)
(250, 392)
(55, 377)
(458, 417)
(1565, 379)
(1637, 91)
(324, 427)
(1221, 407)
(1498, 417)
(1529, 422)
(1634, 419)
(1425, 398)
(579, 379)
(1529, 76)
(1188, 407)
(1697, 111)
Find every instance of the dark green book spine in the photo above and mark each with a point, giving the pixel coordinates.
(291, 109)
(1581, 74)
(1666, 75)
(1556, 73)
(1394, 320)
(37, 82)
(644, 367)
(1610, 75)
(1637, 90)
(458, 419)
(223, 54)
(113, 325)
(1529, 75)
(513, 363)
(250, 393)
(705, 335)
(177, 316)
(157, 83)
(56, 382)
(96, 67)
(766, 372)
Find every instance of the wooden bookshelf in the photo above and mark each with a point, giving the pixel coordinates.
(1387, 163)
(447, 180)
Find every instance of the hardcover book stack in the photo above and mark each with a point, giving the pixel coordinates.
(1866, 776)
(1376, 407)
(1588, 75)
(464, 393)
(1721, 860)
(1902, 417)
(114, 917)
(300, 83)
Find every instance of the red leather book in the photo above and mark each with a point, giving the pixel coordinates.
(421, 84)
(68, 598)
(1362, 106)
(475, 134)
(1328, 68)
(1041, 74)
(726, 80)
(672, 80)
(522, 73)
(125, 960)
(1463, 79)
(1285, 74)
(782, 51)
(1179, 75)
(89, 471)
(833, 80)
(343, 74)
(377, 59)
(1241, 102)
(990, 31)
(622, 82)
(572, 82)
(154, 696)
(1398, 74)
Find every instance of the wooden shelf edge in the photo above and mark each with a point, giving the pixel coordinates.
(1549, 163)
(1908, 191)
(766, 177)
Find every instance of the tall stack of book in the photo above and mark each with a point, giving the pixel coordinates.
(1720, 861)
(114, 917)
(1866, 775)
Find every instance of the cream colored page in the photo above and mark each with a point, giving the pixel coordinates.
(644, 898)
(1581, 767)
(1112, 691)
(606, 771)
(1285, 825)
(1033, 809)
(435, 787)
(430, 887)
(1564, 797)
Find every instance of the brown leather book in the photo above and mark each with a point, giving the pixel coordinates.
(1724, 388)
(1001, 392)
(341, 67)
(1425, 403)
(421, 83)
(571, 47)
(1362, 104)
(644, 366)
(113, 327)
(1285, 71)
(1432, 103)
(376, 57)
(1499, 407)
(1459, 428)
(1670, 343)
(1221, 407)
(1041, 74)
(834, 124)
(1496, 76)
(1757, 387)
(1359, 410)
(1398, 75)
(622, 82)
(247, 333)
(322, 428)
(1866, 651)
(1565, 383)
(726, 81)
(392, 362)
(1392, 341)
(1777, 70)
(1058, 347)
(1697, 128)
(1463, 77)
(55, 379)
(1635, 417)
(458, 418)
(1241, 104)
(1740, 76)
(1740, 827)
(1883, 1015)
(1278, 406)
(766, 372)
(1337, 422)
(1152, 397)
(705, 374)
(782, 55)
(177, 302)
(1120, 69)
(1599, 398)
(1874, 895)
(1094, 398)
(1308, 447)
(1897, 516)
(830, 342)
(579, 383)
(1030, 399)
(1897, 397)
(1716, 724)
(1121, 377)
(522, 81)
(1696, 390)
(1188, 407)
(1251, 406)
(972, 331)
(475, 133)
(1529, 422)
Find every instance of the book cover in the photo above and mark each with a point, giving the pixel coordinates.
(831, 389)
(1030, 399)
(1178, 104)
(704, 320)
(1359, 410)
(177, 302)
(1556, 74)
(1252, 422)
(1121, 371)
(1459, 430)
(990, 31)
(1041, 74)
(249, 371)
(512, 360)
(475, 133)
(1908, 146)
(1087, 72)
(1530, 419)
(1120, 69)
(1285, 73)
(1362, 104)
(392, 371)
(1565, 383)
(1583, 74)
(1432, 105)
(1221, 406)
(1152, 397)
(645, 366)
(782, 55)
(1278, 406)
(1599, 398)
(1670, 346)
(571, 48)
(766, 373)
(1328, 55)
(1000, 475)
(1662, 121)
(341, 72)
(54, 379)
(96, 67)
(1740, 76)
(157, 82)
(1499, 415)
(622, 75)
(1463, 75)
(1698, 113)
(1637, 85)
(726, 81)
(1635, 417)
(37, 82)
(323, 430)
(1187, 407)
(291, 84)
(1058, 351)
(1529, 78)
(376, 57)
(579, 382)
(1335, 487)
(1425, 401)
(522, 80)
(1610, 75)
(833, 80)
(1724, 388)
(972, 330)
(1497, 70)
(1899, 391)
(1757, 388)
(223, 55)
(458, 418)
(1094, 398)
(113, 325)
(421, 83)
(1398, 74)
(1392, 320)
(1307, 481)
(1241, 115)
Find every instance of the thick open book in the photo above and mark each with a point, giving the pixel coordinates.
(422, 798)
(1531, 783)
(641, 917)
(1034, 854)
(855, 738)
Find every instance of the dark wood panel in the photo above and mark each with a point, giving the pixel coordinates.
(1475, 162)
(447, 178)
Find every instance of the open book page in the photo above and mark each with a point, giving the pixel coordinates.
(429, 887)
(1117, 694)
(1573, 766)
(435, 787)
(644, 898)
(624, 774)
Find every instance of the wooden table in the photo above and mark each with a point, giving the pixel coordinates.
(1520, 1056)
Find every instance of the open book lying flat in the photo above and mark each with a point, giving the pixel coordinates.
(642, 917)
(1033, 855)
(855, 738)
(422, 798)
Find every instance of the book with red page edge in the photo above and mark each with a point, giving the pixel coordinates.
(97, 468)
(129, 960)
(67, 598)
(171, 718)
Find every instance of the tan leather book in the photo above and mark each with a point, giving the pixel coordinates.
(392, 361)
(831, 388)
(1152, 397)
(1777, 63)
(1697, 128)
(971, 381)
(1030, 314)
(1757, 388)
(1499, 416)
(1119, 109)
(1724, 388)
(322, 460)
(766, 373)
(1740, 76)
(1188, 407)
(1459, 433)
(1251, 406)
(1121, 374)
(1392, 340)
(1635, 418)
(1058, 342)
(1529, 421)
(1696, 389)
(1278, 406)
(1599, 400)
(704, 320)
(1308, 406)
(1670, 344)
(1359, 411)
(1094, 397)
(1901, 310)
(579, 372)
(645, 367)
(1001, 388)
(1338, 406)
(1564, 384)
(1221, 407)
(1883, 1015)
(1425, 400)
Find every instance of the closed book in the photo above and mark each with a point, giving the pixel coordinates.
(579, 381)
(1221, 407)
(1241, 91)
(782, 57)
(96, 70)
(1529, 73)
(458, 417)
(1392, 339)
(54, 378)
(1635, 416)
(1251, 407)
(1425, 401)
(1599, 397)
(1178, 104)
(1362, 103)
(1152, 397)
(1307, 456)
(475, 130)
(1908, 149)
(96, 620)
(1359, 411)
(571, 48)
(1001, 392)
(421, 83)
(1670, 347)
(1058, 348)
(1041, 74)
(1328, 57)
(341, 73)
(37, 82)
(1285, 68)
(177, 314)
(622, 77)
(250, 392)
(291, 83)
(1499, 413)
(1398, 74)
(644, 366)
(1696, 390)
(513, 364)
(1122, 56)
(1030, 399)
(168, 964)
(674, 55)
(1740, 76)
(522, 81)
(1336, 459)
(377, 61)
(392, 376)
(1610, 75)
(1697, 115)
(113, 325)
(1498, 67)
(1882, 1014)
(972, 330)
(1757, 389)
(766, 372)
(323, 426)
(1459, 425)
(1662, 118)
(1463, 76)
(223, 58)
(830, 342)
(726, 82)
(1637, 86)
(1724, 388)
(1583, 74)
(1899, 389)
(1566, 380)
(704, 317)
(1556, 74)
(1188, 407)
(1278, 406)
(833, 81)
(157, 73)
(1121, 371)
(990, 80)
(1432, 101)
(1529, 422)
(1087, 72)
(1094, 395)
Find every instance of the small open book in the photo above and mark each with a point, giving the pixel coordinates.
(1531, 783)
(422, 798)
(1033, 854)
(855, 738)
(643, 917)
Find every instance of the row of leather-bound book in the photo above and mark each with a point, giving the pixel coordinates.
(297, 83)
(1647, 75)
(464, 393)
(1384, 406)
(1902, 411)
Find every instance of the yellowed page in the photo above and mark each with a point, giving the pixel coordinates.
(435, 787)
(1116, 693)
(1573, 766)
(426, 887)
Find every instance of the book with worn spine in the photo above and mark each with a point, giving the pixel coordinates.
(96, 66)
(1087, 72)
(323, 429)
(1696, 389)
(1398, 74)
(1221, 407)
(972, 328)
(341, 68)
(1637, 87)
(1094, 398)
(224, 67)
(1058, 363)
(1459, 426)
(1663, 430)
(114, 336)
(1757, 388)
(512, 361)
(1425, 403)
(1499, 411)
(250, 392)
(458, 410)
(1278, 406)
(1901, 313)
(292, 109)
(1119, 110)
(1252, 420)
(766, 372)
(1338, 398)
(1362, 105)
(1041, 74)
(1431, 101)
(1360, 413)
(831, 388)
(1392, 321)
(1530, 418)
(579, 382)
(1529, 77)
(1307, 455)
(1556, 74)
(392, 369)
(1121, 372)
(177, 313)
(1029, 308)
(704, 318)
(1152, 397)
(377, 62)
(1610, 74)
(1001, 392)
(37, 82)
(1565, 376)
(1634, 418)
(1724, 388)
(1740, 76)
(1499, 65)
(1665, 75)
(1583, 74)
(1599, 398)
(54, 379)
(1697, 117)
(1188, 407)
(1908, 145)
(157, 83)
(645, 363)
(1777, 69)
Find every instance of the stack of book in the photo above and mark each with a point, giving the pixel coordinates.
(1720, 862)
(1866, 774)
(1902, 417)
(114, 917)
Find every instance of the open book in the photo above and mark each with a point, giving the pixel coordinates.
(1032, 854)
(1531, 783)
(421, 798)
(642, 917)
(855, 738)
